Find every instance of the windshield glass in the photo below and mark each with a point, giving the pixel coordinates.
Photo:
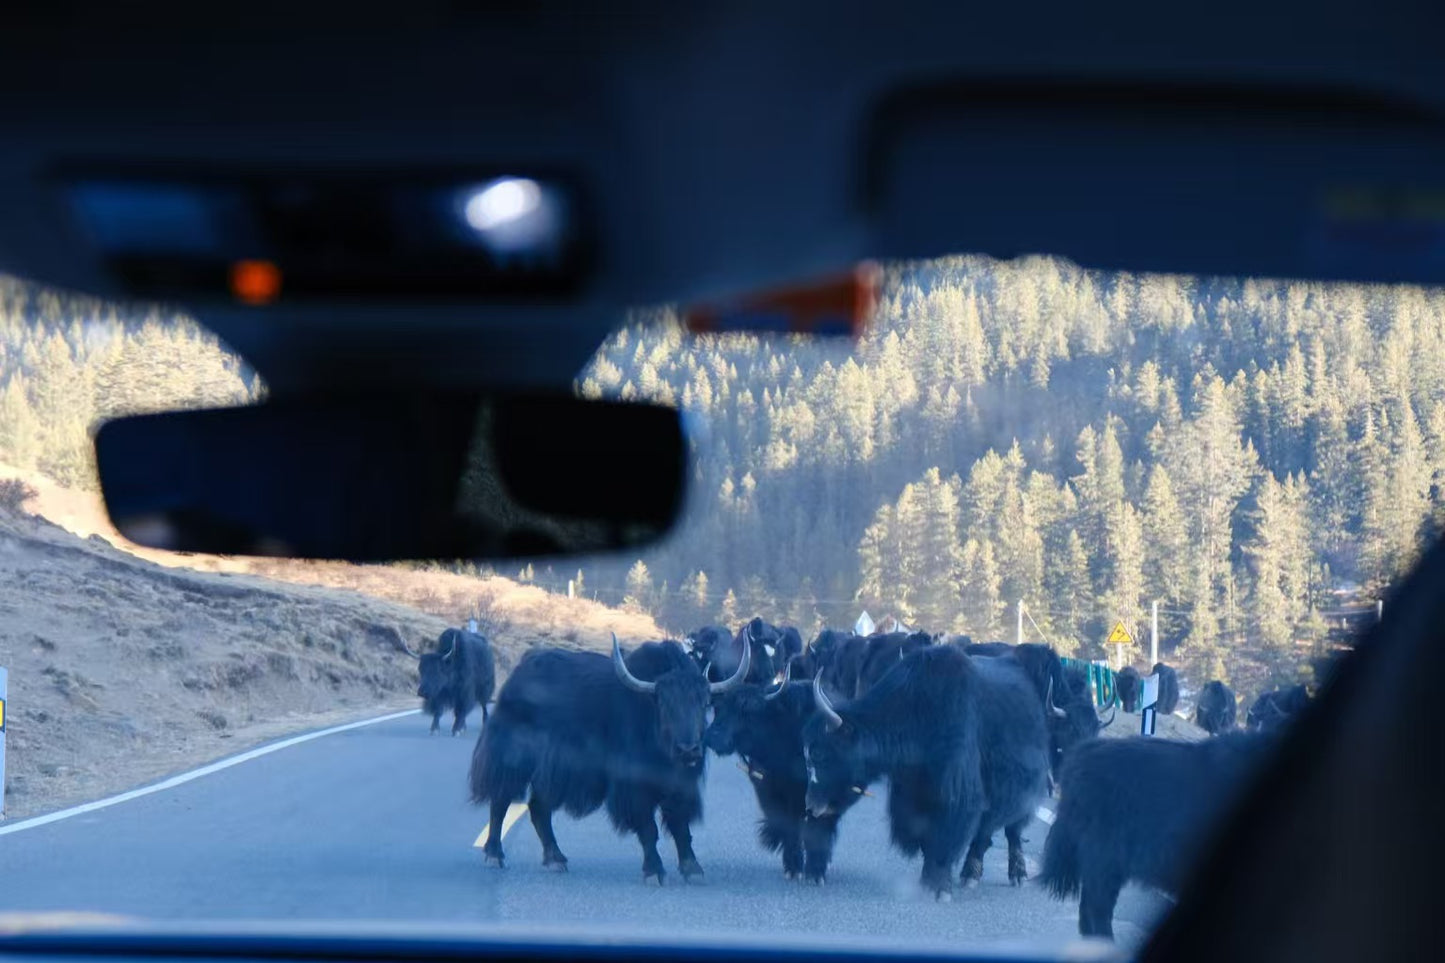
(1169, 501)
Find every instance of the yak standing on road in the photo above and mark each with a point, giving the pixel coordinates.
(882, 652)
(961, 741)
(460, 675)
(1168, 698)
(579, 731)
(719, 653)
(1069, 706)
(1109, 831)
(1273, 710)
(1129, 686)
(1216, 709)
(765, 728)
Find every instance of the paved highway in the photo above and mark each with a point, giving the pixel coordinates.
(373, 823)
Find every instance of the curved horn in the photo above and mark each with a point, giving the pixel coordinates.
(453, 650)
(1113, 711)
(777, 690)
(1054, 710)
(820, 699)
(627, 678)
(406, 648)
(742, 673)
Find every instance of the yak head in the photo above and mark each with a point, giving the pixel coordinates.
(680, 696)
(837, 769)
(432, 682)
(752, 721)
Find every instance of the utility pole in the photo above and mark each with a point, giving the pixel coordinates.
(1154, 632)
(1019, 631)
(1379, 610)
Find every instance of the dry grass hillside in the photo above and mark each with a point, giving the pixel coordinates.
(126, 665)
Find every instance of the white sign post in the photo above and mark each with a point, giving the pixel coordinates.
(4, 696)
(1147, 699)
(864, 625)
(472, 626)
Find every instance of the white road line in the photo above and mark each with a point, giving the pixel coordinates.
(1045, 815)
(186, 777)
(514, 813)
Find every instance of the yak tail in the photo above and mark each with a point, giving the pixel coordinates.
(770, 836)
(501, 770)
(1060, 874)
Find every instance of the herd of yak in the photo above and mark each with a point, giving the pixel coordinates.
(970, 739)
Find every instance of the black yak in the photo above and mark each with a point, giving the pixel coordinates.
(460, 675)
(1216, 709)
(961, 741)
(844, 663)
(1069, 704)
(1129, 686)
(819, 654)
(719, 652)
(580, 730)
(764, 727)
(1109, 831)
(1272, 710)
(1168, 699)
(882, 652)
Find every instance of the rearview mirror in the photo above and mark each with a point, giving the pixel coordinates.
(390, 476)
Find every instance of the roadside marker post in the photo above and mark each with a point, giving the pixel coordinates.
(1147, 698)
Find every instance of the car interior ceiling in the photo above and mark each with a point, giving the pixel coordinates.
(725, 148)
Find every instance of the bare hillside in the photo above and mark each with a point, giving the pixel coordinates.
(123, 670)
(518, 614)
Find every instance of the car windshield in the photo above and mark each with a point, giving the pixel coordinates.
(1034, 506)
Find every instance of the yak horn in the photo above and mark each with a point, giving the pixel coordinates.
(777, 690)
(628, 679)
(742, 673)
(820, 699)
(1054, 710)
(1113, 711)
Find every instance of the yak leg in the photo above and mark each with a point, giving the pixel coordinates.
(460, 711)
(651, 862)
(677, 816)
(973, 863)
(541, 813)
(492, 849)
(818, 833)
(942, 847)
(1096, 905)
(436, 720)
(1018, 871)
(792, 849)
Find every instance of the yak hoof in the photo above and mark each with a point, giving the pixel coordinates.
(651, 878)
(496, 861)
(555, 861)
(944, 896)
(972, 870)
(790, 876)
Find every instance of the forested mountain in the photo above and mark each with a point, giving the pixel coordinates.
(67, 363)
(1245, 452)
(1249, 454)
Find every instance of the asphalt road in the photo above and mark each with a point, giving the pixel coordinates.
(374, 823)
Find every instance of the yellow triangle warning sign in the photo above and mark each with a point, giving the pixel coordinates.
(1120, 636)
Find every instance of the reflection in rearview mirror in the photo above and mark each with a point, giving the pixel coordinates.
(397, 477)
